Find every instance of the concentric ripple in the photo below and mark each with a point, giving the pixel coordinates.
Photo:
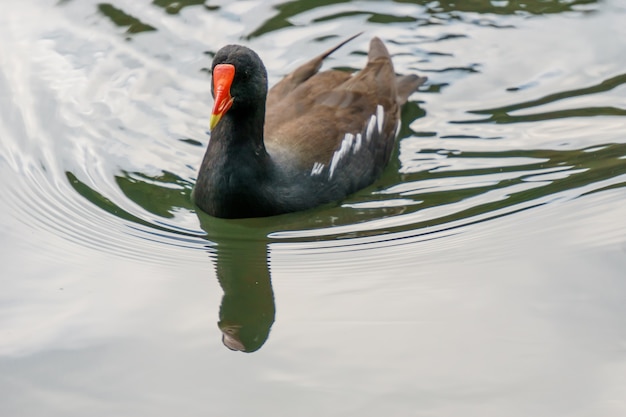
(108, 105)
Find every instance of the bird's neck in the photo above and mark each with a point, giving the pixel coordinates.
(239, 140)
(235, 167)
(241, 127)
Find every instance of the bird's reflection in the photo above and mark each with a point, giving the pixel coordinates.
(247, 310)
(239, 248)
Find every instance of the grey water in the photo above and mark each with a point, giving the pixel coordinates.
(483, 275)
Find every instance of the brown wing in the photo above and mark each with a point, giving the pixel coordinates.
(300, 75)
(309, 113)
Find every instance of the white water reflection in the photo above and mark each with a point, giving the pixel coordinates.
(479, 327)
(483, 275)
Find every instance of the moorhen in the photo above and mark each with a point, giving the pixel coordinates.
(315, 137)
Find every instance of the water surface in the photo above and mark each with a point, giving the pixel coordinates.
(482, 275)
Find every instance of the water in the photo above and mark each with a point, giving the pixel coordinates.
(483, 275)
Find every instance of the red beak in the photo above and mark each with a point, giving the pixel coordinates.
(223, 75)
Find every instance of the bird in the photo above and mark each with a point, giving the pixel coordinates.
(313, 138)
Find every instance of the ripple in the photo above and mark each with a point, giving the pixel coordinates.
(107, 129)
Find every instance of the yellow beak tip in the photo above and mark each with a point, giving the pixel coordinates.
(215, 118)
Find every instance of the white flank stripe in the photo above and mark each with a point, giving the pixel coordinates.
(317, 168)
(369, 131)
(346, 144)
(380, 116)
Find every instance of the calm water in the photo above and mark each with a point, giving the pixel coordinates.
(483, 275)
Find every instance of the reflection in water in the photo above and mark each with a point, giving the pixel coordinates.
(90, 137)
(435, 12)
(161, 195)
(93, 166)
(175, 6)
(537, 7)
(247, 310)
(502, 114)
(120, 18)
(447, 198)
(435, 186)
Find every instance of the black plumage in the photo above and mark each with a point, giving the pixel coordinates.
(315, 137)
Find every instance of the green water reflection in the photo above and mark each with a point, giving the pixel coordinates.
(239, 247)
(476, 277)
(175, 6)
(504, 7)
(122, 19)
(285, 12)
(247, 309)
(448, 10)
(501, 114)
(240, 253)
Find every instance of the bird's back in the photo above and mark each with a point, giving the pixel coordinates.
(335, 127)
